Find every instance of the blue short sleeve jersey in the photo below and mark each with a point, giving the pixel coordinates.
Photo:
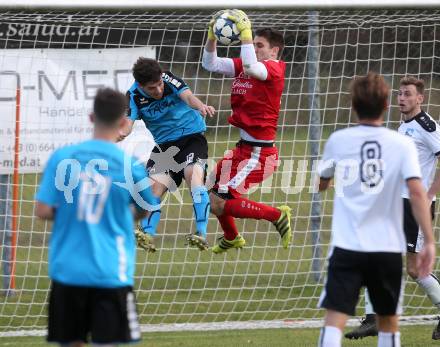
(92, 187)
(168, 118)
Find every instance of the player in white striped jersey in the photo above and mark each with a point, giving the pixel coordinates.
(367, 240)
(425, 133)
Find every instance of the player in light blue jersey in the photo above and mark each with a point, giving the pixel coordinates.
(92, 191)
(174, 116)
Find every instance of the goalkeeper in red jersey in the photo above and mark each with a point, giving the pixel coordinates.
(255, 102)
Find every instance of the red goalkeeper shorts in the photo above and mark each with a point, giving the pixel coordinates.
(244, 167)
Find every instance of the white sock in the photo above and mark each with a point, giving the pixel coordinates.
(388, 339)
(368, 306)
(431, 286)
(330, 337)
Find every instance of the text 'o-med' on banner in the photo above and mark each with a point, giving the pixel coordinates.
(57, 88)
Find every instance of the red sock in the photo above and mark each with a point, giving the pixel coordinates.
(244, 208)
(228, 225)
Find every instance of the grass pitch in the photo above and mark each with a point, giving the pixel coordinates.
(178, 284)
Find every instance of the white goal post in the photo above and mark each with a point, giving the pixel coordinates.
(222, 4)
(53, 57)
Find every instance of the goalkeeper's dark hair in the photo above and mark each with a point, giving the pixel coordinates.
(274, 37)
(109, 106)
(146, 70)
(369, 95)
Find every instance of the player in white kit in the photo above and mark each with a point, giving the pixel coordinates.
(370, 164)
(425, 133)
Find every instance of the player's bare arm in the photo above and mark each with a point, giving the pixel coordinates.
(419, 205)
(326, 173)
(44, 211)
(194, 102)
(324, 183)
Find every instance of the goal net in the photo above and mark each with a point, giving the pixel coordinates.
(52, 62)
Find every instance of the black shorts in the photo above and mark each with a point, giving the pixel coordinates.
(103, 315)
(349, 271)
(174, 156)
(413, 234)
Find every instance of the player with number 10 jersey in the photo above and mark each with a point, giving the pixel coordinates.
(93, 191)
(92, 243)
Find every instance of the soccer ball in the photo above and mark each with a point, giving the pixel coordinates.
(225, 30)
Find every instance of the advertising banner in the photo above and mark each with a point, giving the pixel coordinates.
(57, 88)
